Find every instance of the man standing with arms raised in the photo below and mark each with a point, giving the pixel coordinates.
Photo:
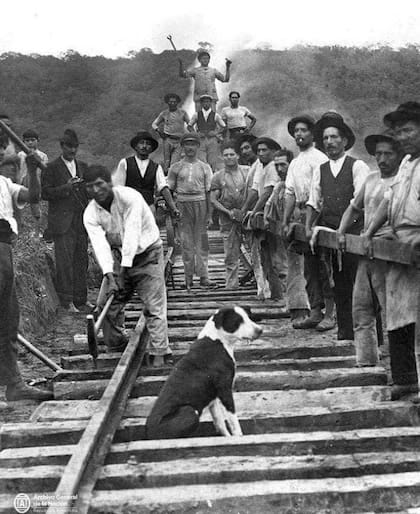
(205, 78)
(333, 186)
(171, 125)
(190, 179)
(309, 266)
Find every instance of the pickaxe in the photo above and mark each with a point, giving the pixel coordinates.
(171, 41)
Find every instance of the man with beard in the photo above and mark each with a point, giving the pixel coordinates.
(171, 125)
(369, 286)
(309, 267)
(142, 173)
(334, 184)
(402, 210)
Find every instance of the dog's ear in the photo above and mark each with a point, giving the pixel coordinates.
(227, 319)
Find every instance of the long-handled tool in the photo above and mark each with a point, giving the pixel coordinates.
(18, 142)
(172, 42)
(41, 356)
(93, 328)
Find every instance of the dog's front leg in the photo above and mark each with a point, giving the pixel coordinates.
(233, 423)
(216, 411)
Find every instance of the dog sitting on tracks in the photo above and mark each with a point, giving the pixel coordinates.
(203, 377)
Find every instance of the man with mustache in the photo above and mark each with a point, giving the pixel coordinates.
(369, 287)
(333, 186)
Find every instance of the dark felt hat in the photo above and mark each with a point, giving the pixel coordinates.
(168, 96)
(143, 134)
(70, 138)
(191, 136)
(303, 118)
(30, 134)
(272, 145)
(333, 119)
(408, 111)
(201, 52)
(385, 137)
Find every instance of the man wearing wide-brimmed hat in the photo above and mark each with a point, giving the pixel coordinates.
(265, 178)
(62, 186)
(209, 125)
(401, 207)
(306, 273)
(171, 125)
(333, 186)
(190, 179)
(205, 78)
(142, 174)
(369, 287)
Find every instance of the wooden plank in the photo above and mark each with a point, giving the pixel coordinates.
(245, 381)
(295, 443)
(248, 404)
(344, 495)
(81, 471)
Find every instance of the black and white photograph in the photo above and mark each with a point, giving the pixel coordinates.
(210, 257)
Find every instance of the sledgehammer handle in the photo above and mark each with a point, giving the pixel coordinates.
(18, 141)
(41, 356)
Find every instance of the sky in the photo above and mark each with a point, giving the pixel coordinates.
(112, 29)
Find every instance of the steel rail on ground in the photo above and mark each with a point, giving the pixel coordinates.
(77, 483)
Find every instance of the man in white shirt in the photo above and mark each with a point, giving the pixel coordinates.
(13, 196)
(333, 186)
(142, 174)
(304, 271)
(236, 117)
(209, 125)
(31, 139)
(118, 220)
(265, 178)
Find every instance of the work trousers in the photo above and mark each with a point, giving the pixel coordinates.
(194, 239)
(368, 308)
(263, 287)
(343, 293)
(297, 297)
(71, 262)
(9, 319)
(232, 236)
(171, 151)
(146, 277)
(402, 355)
(318, 285)
(210, 152)
(274, 264)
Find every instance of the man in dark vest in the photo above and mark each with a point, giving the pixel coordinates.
(143, 174)
(334, 184)
(62, 186)
(209, 125)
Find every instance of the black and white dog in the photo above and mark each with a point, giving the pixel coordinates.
(203, 377)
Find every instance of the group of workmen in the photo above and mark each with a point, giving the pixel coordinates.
(213, 163)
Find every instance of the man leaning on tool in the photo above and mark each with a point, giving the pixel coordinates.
(13, 195)
(401, 207)
(334, 184)
(119, 222)
(171, 125)
(62, 186)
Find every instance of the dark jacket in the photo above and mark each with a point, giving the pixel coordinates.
(65, 204)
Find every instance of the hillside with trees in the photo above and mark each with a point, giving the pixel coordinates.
(107, 100)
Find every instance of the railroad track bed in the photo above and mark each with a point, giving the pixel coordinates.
(320, 434)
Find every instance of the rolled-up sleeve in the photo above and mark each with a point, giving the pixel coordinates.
(161, 181)
(315, 195)
(98, 240)
(208, 176)
(360, 172)
(290, 181)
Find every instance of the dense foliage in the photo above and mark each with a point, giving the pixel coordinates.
(107, 100)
